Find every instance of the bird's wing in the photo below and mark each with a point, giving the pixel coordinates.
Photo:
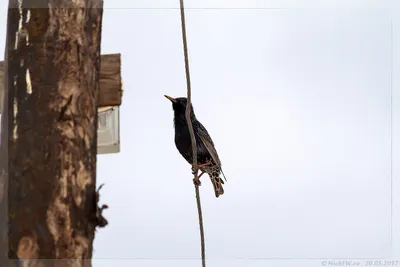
(208, 143)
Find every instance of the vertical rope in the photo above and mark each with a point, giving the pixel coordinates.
(195, 166)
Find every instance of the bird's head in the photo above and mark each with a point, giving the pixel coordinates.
(179, 107)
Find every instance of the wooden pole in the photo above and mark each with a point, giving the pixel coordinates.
(110, 88)
(49, 126)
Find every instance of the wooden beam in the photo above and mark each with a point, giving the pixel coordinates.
(110, 92)
(48, 197)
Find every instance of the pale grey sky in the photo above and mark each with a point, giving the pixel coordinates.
(298, 103)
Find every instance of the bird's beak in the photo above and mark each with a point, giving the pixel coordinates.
(171, 98)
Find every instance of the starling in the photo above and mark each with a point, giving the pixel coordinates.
(207, 157)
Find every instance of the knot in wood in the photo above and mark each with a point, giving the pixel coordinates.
(27, 248)
(86, 105)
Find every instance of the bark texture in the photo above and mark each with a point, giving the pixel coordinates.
(49, 127)
(110, 88)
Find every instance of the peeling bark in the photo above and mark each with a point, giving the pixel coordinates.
(49, 126)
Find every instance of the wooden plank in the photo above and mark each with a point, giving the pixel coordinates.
(110, 91)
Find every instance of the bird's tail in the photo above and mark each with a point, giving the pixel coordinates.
(217, 183)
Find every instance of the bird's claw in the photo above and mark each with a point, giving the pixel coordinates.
(196, 182)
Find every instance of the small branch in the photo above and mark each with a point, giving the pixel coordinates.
(195, 166)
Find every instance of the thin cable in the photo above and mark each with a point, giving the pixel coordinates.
(195, 166)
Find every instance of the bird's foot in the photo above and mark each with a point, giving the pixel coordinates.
(196, 182)
(200, 166)
(205, 164)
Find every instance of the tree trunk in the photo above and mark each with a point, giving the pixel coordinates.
(49, 133)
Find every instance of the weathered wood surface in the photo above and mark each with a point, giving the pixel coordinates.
(49, 126)
(110, 91)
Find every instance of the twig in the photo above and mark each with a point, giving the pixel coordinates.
(194, 146)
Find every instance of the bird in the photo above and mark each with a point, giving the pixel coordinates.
(207, 156)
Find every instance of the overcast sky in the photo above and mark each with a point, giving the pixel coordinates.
(298, 103)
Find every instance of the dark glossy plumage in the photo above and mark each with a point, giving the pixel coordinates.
(206, 152)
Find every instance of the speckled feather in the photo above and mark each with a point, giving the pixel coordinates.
(206, 151)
